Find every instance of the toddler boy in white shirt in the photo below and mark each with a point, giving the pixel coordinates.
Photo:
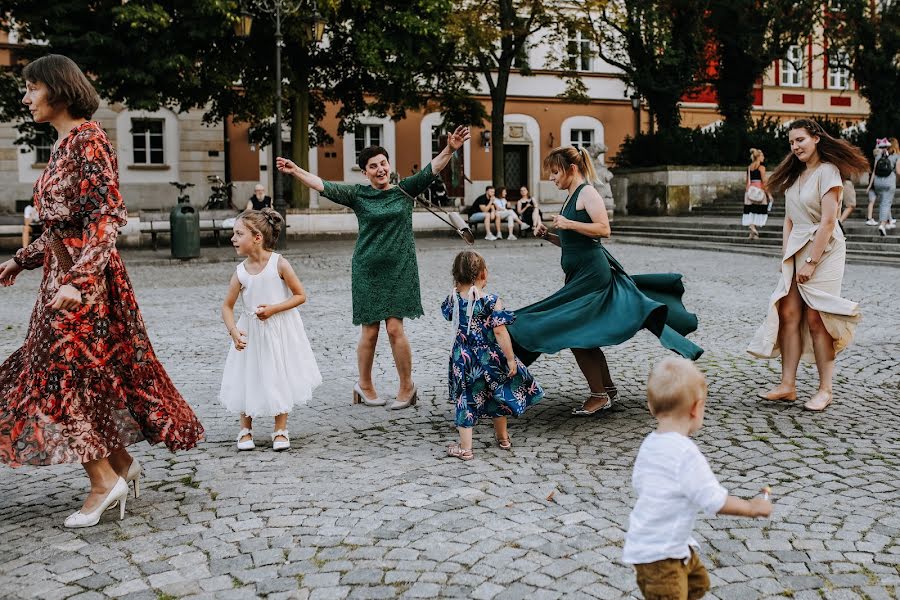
(673, 482)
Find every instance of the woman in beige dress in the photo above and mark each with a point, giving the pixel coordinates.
(807, 316)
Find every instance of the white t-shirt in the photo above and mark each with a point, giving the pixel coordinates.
(673, 482)
(31, 213)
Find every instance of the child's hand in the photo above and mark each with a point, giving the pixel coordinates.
(239, 337)
(761, 507)
(512, 366)
(264, 311)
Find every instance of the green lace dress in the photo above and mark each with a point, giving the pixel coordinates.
(385, 274)
(600, 304)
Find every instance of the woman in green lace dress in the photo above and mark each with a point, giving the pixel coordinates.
(385, 274)
(600, 304)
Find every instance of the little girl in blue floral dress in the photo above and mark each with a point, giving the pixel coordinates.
(486, 378)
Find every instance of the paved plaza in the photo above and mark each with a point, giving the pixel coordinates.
(366, 505)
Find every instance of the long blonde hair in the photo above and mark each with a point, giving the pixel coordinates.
(895, 146)
(565, 156)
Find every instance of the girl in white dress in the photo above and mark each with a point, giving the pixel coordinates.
(270, 368)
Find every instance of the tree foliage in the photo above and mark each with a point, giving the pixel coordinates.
(660, 47)
(747, 36)
(381, 59)
(868, 31)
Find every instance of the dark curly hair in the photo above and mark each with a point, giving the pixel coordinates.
(66, 84)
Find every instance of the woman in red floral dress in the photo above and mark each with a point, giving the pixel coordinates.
(86, 383)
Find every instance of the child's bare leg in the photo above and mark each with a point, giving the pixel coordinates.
(246, 423)
(281, 423)
(465, 437)
(500, 428)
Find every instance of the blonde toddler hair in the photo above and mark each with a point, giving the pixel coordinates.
(673, 385)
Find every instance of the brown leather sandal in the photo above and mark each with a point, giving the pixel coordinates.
(504, 443)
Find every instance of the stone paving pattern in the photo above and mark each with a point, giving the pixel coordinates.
(366, 505)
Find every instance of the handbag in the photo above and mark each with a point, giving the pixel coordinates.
(756, 195)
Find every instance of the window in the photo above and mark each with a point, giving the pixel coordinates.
(147, 141)
(436, 132)
(838, 71)
(582, 138)
(580, 51)
(42, 148)
(367, 135)
(792, 67)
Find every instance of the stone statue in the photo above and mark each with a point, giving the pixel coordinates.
(604, 176)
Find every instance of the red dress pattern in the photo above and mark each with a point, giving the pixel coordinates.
(86, 382)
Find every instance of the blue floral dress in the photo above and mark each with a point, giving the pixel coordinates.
(479, 383)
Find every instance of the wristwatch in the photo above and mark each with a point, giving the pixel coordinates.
(810, 261)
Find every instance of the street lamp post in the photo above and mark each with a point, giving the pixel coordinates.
(636, 107)
(280, 204)
(317, 29)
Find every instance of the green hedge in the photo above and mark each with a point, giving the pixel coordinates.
(720, 145)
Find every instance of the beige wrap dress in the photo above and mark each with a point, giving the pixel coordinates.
(822, 292)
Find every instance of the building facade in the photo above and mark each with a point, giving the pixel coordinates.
(159, 147)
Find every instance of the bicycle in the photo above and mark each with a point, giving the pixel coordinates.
(220, 198)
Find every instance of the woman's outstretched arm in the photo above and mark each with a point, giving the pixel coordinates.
(455, 141)
(289, 167)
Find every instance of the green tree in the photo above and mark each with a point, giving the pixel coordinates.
(747, 36)
(867, 33)
(184, 54)
(492, 38)
(660, 46)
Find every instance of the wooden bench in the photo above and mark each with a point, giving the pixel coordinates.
(156, 222)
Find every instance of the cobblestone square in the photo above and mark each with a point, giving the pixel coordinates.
(366, 505)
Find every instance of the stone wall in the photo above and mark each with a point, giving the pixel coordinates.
(674, 190)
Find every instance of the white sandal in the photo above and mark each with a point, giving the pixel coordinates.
(246, 444)
(279, 445)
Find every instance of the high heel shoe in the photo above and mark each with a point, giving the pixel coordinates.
(582, 412)
(119, 493)
(134, 476)
(360, 398)
(411, 401)
(791, 395)
(814, 406)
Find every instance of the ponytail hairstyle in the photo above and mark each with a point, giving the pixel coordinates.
(266, 222)
(848, 159)
(564, 157)
(468, 267)
(755, 156)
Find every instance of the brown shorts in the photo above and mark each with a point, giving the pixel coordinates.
(673, 579)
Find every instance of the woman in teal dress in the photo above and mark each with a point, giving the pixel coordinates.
(600, 304)
(385, 274)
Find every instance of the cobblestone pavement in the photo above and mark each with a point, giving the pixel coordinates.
(367, 506)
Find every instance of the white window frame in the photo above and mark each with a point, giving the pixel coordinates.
(580, 134)
(583, 58)
(149, 137)
(791, 73)
(839, 76)
(367, 129)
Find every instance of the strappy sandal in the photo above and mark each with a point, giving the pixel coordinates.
(504, 443)
(613, 393)
(457, 451)
(581, 412)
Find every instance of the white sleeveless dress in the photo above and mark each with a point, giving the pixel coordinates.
(277, 369)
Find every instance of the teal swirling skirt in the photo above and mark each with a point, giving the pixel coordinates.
(601, 305)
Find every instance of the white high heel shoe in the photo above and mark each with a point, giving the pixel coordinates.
(134, 476)
(119, 493)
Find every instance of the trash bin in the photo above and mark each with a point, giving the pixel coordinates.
(184, 224)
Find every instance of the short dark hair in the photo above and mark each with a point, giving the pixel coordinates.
(367, 153)
(66, 84)
(490, 187)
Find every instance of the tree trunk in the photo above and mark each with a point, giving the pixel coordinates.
(498, 164)
(300, 142)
